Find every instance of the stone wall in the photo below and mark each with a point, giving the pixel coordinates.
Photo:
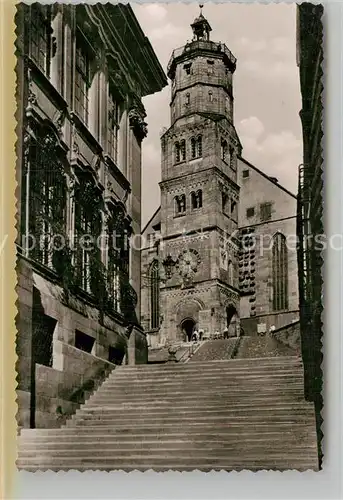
(71, 367)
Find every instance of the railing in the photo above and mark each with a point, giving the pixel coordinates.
(202, 45)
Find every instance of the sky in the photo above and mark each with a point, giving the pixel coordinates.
(266, 84)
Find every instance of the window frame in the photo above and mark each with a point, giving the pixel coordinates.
(82, 78)
(113, 123)
(41, 33)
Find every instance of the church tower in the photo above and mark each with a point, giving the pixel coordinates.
(199, 191)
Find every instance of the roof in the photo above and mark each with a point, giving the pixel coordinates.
(270, 178)
(151, 219)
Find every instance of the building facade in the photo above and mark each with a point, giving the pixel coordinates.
(200, 265)
(310, 201)
(82, 71)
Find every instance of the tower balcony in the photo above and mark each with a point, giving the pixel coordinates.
(205, 47)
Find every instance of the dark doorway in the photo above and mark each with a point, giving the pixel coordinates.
(231, 317)
(188, 326)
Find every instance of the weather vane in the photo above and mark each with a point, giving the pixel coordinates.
(201, 5)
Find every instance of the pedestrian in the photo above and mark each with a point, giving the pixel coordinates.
(201, 333)
(226, 333)
(195, 336)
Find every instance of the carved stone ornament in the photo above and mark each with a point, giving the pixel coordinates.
(187, 264)
(138, 124)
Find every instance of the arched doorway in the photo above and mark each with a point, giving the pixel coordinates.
(231, 320)
(188, 326)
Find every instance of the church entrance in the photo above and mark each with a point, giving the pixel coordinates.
(231, 317)
(188, 326)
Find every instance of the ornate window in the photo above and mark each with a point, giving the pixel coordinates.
(280, 273)
(154, 279)
(112, 126)
(87, 224)
(180, 204)
(82, 81)
(196, 147)
(196, 199)
(232, 159)
(45, 190)
(117, 258)
(224, 150)
(40, 37)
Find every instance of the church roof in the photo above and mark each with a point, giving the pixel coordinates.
(157, 215)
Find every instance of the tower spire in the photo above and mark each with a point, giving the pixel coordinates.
(201, 27)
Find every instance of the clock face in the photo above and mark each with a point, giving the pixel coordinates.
(188, 263)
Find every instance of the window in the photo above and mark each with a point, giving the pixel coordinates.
(266, 211)
(188, 99)
(40, 37)
(224, 150)
(180, 204)
(177, 152)
(87, 230)
(84, 342)
(82, 82)
(196, 147)
(154, 295)
(232, 159)
(210, 67)
(245, 174)
(187, 67)
(210, 96)
(46, 197)
(112, 126)
(117, 255)
(196, 199)
(183, 150)
(250, 212)
(279, 273)
(233, 208)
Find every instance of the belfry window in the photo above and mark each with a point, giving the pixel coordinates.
(47, 196)
(180, 204)
(177, 152)
(188, 99)
(82, 81)
(196, 199)
(40, 36)
(196, 147)
(210, 96)
(183, 150)
(279, 273)
(154, 279)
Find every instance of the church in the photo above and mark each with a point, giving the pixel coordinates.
(220, 251)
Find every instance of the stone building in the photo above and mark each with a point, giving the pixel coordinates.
(82, 71)
(202, 265)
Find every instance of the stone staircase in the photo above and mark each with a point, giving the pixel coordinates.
(232, 415)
